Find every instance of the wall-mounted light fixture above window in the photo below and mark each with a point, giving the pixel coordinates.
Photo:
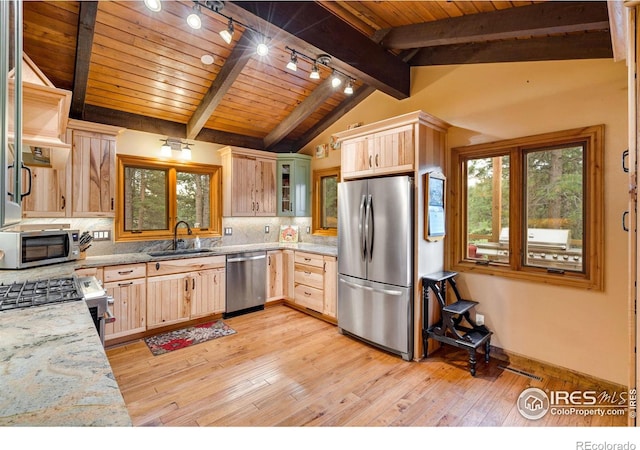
(175, 145)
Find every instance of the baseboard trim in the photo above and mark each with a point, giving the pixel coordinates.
(545, 369)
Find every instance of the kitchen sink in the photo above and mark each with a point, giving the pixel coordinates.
(181, 251)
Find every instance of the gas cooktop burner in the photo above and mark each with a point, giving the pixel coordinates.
(40, 292)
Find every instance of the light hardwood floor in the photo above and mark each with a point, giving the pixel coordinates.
(285, 368)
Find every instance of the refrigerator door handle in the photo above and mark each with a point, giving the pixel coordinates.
(361, 228)
(369, 226)
(369, 288)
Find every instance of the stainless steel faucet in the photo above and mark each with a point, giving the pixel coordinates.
(175, 233)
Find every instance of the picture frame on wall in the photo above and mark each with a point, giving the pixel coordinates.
(434, 206)
(322, 151)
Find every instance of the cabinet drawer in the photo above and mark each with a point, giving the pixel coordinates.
(166, 267)
(124, 272)
(309, 297)
(310, 259)
(309, 275)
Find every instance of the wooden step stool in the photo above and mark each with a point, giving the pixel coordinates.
(450, 329)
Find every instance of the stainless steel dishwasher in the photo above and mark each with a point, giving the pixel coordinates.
(246, 282)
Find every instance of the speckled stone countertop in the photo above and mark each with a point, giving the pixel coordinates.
(67, 269)
(54, 371)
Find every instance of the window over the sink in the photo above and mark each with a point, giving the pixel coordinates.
(153, 195)
(325, 201)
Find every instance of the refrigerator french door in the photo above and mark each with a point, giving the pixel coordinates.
(375, 262)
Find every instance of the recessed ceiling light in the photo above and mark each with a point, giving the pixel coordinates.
(153, 5)
(206, 59)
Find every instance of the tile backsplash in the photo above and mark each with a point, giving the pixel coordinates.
(245, 230)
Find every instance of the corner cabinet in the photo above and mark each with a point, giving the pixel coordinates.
(249, 182)
(294, 185)
(93, 161)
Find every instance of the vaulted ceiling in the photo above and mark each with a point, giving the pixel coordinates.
(131, 67)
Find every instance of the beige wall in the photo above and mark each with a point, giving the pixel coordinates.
(573, 328)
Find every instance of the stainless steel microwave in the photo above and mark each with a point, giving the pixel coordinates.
(30, 248)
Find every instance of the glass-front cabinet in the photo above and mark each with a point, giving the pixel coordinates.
(294, 185)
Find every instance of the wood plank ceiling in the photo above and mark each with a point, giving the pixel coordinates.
(131, 67)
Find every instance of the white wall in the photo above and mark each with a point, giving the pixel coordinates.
(573, 328)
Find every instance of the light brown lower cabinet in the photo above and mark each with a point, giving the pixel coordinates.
(127, 285)
(182, 289)
(275, 275)
(315, 281)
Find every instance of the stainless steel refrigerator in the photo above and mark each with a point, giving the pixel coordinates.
(375, 262)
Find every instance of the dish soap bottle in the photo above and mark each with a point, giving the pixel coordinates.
(196, 242)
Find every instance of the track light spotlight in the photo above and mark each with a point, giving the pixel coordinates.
(194, 19)
(262, 49)
(315, 73)
(293, 62)
(153, 5)
(335, 80)
(348, 89)
(227, 34)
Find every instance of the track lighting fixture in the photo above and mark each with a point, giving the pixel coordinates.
(335, 80)
(293, 62)
(227, 34)
(153, 5)
(194, 20)
(348, 89)
(315, 73)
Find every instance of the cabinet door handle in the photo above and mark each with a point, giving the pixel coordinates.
(125, 284)
(376, 160)
(308, 294)
(64, 202)
(111, 203)
(186, 285)
(369, 161)
(193, 284)
(257, 206)
(125, 272)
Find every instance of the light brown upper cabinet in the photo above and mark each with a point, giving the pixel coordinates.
(249, 182)
(93, 165)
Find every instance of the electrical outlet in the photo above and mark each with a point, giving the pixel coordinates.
(228, 231)
(308, 230)
(101, 235)
(480, 319)
(266, 229)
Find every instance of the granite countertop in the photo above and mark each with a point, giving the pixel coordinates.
(54, 370)
(67, 269)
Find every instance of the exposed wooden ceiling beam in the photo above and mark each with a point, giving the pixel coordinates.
(347, 105)
(300, 113)
(165, 127)
(307, 22)
(536, 20)
(86, 27)
(581, 46)
(232, 67)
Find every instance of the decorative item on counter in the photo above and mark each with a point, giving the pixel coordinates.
(85, 243)
(289, 233)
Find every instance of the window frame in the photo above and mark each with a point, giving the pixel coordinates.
(317, 205)
(172, 167)
(593, 243)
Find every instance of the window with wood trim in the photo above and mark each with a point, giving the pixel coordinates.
(153, 195)
(325, 201)
(530, 208)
